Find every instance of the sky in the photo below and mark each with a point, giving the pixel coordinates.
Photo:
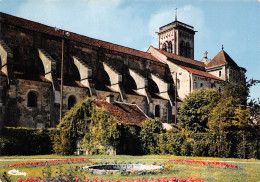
(235, 24)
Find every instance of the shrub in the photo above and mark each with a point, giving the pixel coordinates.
(231, 144)
(149, 134)
(24, 141)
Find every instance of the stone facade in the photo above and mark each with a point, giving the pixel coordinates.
(31, 61)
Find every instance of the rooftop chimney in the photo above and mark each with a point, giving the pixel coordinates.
(110, 99)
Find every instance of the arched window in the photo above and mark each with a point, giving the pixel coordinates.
(182, 49)
(188, 50)
(71, 101)
(201, 85)
(32, 99)
(157, 111)
(164, 48)
(170, 47)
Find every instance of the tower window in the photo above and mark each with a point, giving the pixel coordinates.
(71, 101)
(188, 50)
(164, 48)
(157, 111)
(219, 73)
(183, 49)
(170, 47)
(32, 99)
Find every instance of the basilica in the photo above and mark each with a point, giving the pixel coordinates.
(45, 70)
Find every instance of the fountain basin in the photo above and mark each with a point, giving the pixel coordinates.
(114, 168)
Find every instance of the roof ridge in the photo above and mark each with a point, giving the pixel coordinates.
(178, 57)
(188, 69)
(58, 32)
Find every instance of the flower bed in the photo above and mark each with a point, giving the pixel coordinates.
(167, 179)
(215, 163)
(48, 162)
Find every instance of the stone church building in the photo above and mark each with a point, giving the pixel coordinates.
(149, 83)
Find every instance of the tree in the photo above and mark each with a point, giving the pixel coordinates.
(102, 134)
(254, 107)
(221, 117)
(239, 90)
(241, 118)
(194, 111)
(150, 129)
(72, 127)
(91, 127)
(231, 112)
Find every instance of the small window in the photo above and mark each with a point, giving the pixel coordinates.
(194, 85)
(178, 84)
(219, 73)
(71, 101)
(32, 99)
(201, 85)
(157, 111)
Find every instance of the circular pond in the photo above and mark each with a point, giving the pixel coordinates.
(114, 168)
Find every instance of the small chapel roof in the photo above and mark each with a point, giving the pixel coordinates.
(222, 58)
(129, 114)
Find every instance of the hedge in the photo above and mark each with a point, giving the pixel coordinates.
(232, 144)
(23, 141)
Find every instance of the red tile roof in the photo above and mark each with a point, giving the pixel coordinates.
(222, 58)
(80, 84)
(127, 113)
(201, 73)
(42, 78)
(2, 73)
(180, 58)
(27, 24)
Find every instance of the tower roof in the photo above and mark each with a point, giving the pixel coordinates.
(176, 24)
(222, 58)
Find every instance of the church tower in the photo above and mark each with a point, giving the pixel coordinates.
(177, 38)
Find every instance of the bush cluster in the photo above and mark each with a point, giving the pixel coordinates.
(24, 141)
(232, 144)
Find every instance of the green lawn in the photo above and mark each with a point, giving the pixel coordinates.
(246, 171)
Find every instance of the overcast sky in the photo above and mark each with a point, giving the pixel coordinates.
(233, 23)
